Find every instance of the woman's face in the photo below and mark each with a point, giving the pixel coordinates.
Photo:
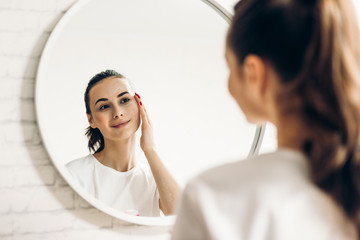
(114, 109)
(242, 89)
(236, 84)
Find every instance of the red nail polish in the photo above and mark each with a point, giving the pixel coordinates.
(137, 95)
(140, 103)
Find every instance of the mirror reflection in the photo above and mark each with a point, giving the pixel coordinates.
(173, 52)
(111, 173)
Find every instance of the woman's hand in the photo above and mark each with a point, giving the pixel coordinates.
(169, 189)
(147, 138)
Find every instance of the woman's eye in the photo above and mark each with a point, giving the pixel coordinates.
(124, 100)
(103, 107)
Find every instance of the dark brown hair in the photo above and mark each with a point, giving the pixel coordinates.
(314, 47)
(96, 140)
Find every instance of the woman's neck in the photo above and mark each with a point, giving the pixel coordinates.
(291, 132)
(119, 155)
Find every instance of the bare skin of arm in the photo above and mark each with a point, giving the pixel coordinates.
(169, 190)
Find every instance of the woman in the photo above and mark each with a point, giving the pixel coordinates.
(294, 63)
(112, 173)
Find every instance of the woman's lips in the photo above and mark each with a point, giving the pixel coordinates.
(120, 125)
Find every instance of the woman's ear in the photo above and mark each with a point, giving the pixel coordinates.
(90, 120)
(255, 74)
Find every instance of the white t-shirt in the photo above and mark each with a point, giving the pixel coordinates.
(269, 196)
(126, 191)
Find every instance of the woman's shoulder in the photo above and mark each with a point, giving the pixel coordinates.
(144, 171)
(273, 188)
(284, 167)
(80, 164)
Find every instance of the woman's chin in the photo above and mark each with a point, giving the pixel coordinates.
(119, 136)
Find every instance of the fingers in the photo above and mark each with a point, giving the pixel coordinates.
(146, 114)
(138, 99)
(143, 112)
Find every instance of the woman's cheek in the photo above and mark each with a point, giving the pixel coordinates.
(136, 114)
(100, 119)
(231, 86)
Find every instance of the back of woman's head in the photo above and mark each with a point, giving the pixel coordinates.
(96, 140)
(314, 48)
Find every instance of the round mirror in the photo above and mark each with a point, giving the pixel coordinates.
(173, 52)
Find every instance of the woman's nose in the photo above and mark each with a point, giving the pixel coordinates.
(117, 113)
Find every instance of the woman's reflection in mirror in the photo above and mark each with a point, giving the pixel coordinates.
(111, 172)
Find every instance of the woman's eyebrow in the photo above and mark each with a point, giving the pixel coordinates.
(101, 99)
(105, 99)
(122, 94)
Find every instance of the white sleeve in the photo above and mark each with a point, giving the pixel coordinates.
(190, 222)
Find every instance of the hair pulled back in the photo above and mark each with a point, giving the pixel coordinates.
(314, 47)
(96, 140)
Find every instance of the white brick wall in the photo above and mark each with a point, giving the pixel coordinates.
(35, 202)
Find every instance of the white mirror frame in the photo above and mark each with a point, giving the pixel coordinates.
(260, 130)
(150, 221)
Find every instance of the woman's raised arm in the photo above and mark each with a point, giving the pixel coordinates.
(169, 190)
